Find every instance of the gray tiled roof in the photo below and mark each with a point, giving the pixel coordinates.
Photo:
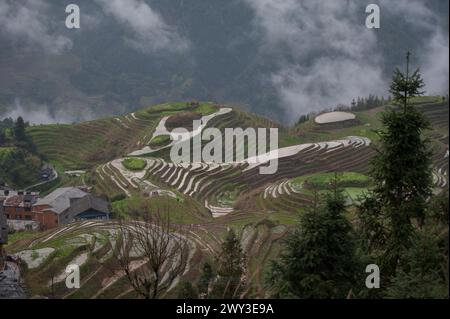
(88, 202)
(59, 200)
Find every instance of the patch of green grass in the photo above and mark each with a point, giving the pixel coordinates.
(323, 180)
(19, 236)
(354, 192)
(179, 212)
(205, 109)
(170, 108)
(134, 164)
(283, 218)
(160, 141)
(426, 99)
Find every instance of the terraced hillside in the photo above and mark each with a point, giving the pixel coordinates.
(221, 188)
(86, 144)
(239, 187)
(127, 159)
(91, 246)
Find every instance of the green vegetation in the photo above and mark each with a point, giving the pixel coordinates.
(18, 167)
(400, 228)
(396, 226)
(314, 264)
(134, 164)
(19, 162)
(323, 180)
(352, 184)
(170, 108)
(84, 145)
(179, 212)
(289, 224)
(160, 141)
(416, 100)
(12, 238)
(230, 268)
(402, 168)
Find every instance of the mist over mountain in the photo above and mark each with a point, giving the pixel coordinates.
(276, 58)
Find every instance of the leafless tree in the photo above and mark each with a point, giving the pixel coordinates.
(153, 253)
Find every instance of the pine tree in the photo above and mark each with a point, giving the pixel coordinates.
(230, 268)
(371, 228)
(205, 279)
(404, 87)
(318, 259)
(423, 274)
(401, 170)
(19, 130)
(439, 208)
(2, 137)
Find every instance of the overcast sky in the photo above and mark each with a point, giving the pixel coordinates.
(322, 53)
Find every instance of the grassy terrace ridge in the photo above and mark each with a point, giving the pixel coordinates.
(323, 180)
(204, 108)
(369, 121)
(261, 223)
(160, 141)
(134, 164)
(84, 145)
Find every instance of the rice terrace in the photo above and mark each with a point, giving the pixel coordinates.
(206, 199)
(263, 150)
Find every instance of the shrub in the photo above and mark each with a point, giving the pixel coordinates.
(160, 141)
(134, 164)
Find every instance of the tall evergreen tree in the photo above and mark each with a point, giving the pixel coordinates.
(401, 170)
(406, 86)
(230, 268)
(2, 137)
(19, 130)
(423, 273)
(318, 259)
(205, 279)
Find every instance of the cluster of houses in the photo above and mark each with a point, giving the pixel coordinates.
(25, 210)
(22, 210)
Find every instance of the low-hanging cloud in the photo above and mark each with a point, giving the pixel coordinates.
(42, 114)
(436, 66)
(149, 32)
(433, 58)
(327, 56)
(27, 21)
(331, 57)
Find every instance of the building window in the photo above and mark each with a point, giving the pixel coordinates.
(27, 217)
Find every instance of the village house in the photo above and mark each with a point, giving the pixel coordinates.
(69, 204)
(26, 211)
(18, 206)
